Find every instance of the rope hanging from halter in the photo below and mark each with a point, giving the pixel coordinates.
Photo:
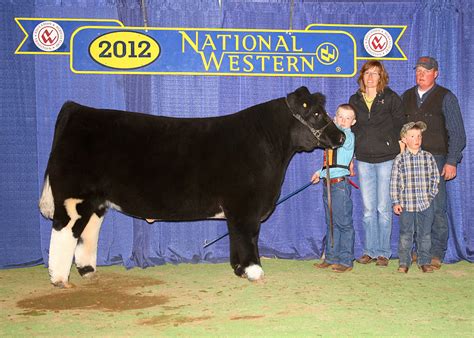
(144, 14)
(292, 7)
(328, 186)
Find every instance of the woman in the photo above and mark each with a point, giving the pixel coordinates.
(379, 117)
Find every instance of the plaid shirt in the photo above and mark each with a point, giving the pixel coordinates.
(414, 181)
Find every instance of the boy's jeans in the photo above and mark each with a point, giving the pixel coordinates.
(374, 179)
(418, 223)
(343, 250)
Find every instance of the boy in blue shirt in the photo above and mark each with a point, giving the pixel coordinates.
(413, 186)
(340, 256)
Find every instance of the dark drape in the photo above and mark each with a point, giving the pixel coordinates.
(33, 88)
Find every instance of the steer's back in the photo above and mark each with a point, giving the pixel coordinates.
(157, 167)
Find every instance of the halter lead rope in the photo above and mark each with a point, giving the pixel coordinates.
(328, 187)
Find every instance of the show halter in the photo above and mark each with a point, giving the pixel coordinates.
(316, 132)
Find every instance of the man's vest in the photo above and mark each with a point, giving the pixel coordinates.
(435, 138)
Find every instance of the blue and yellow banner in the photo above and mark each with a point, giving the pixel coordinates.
(108, 47)
(212, 52)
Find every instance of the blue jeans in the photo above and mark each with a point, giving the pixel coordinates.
(418, 223)
(374, 179)
(439, 228)
(343, 250)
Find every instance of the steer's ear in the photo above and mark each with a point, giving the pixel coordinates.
(301, 92)
(299, 100)
(320, 99)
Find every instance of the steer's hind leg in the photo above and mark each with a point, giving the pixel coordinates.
(234, 255)
(63, 242)
(86, 250)
(244, 238)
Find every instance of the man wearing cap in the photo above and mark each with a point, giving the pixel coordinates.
(445, 138)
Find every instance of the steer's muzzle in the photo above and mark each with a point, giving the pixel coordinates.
(332, 137)
(341, 141)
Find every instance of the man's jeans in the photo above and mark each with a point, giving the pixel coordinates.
(418, 223)
(343, 250)
(374, 179)
(439, 229)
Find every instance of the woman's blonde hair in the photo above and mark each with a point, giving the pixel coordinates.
(383, 78)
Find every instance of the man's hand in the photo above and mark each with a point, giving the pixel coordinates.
(315, 177)
(449, 172)
(397, 209)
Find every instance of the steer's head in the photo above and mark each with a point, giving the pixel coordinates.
(314, 127)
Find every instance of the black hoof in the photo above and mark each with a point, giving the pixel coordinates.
(239, 271)
(85, 270)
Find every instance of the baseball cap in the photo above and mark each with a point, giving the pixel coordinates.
(427, 62)
(410, 125)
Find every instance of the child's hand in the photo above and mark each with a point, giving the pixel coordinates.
(402, 146)
(315, 177)
(397, 209)
(352, 172)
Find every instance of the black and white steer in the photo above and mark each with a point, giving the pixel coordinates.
(162, 168)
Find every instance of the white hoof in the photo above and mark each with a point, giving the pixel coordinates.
(254, 272)
(62, 284)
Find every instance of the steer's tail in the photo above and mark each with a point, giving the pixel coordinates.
(46, 203)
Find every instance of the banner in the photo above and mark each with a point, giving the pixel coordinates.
(108, 47)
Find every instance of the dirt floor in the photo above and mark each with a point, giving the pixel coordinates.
(208, 300)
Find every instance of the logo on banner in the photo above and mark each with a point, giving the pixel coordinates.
(378, 42)
(48, 36)
(327, 53)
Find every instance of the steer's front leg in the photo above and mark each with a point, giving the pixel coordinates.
(244, 246)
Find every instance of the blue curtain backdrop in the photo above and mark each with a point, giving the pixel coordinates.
(34, 87)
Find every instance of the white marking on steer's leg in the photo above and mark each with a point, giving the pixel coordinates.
(219, 215)
(109, 204)
(62, 246)
(254, 272)
(86, 249)
(46, 202)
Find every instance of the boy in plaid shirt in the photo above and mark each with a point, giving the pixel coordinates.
(413, 186)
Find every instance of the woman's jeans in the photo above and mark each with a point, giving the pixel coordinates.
(418, 223)
(374, 179)
(343, 250)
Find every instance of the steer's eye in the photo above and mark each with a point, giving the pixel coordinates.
(316, 114)
(305, 105)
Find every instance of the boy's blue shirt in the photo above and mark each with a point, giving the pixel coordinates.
(344, 155)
